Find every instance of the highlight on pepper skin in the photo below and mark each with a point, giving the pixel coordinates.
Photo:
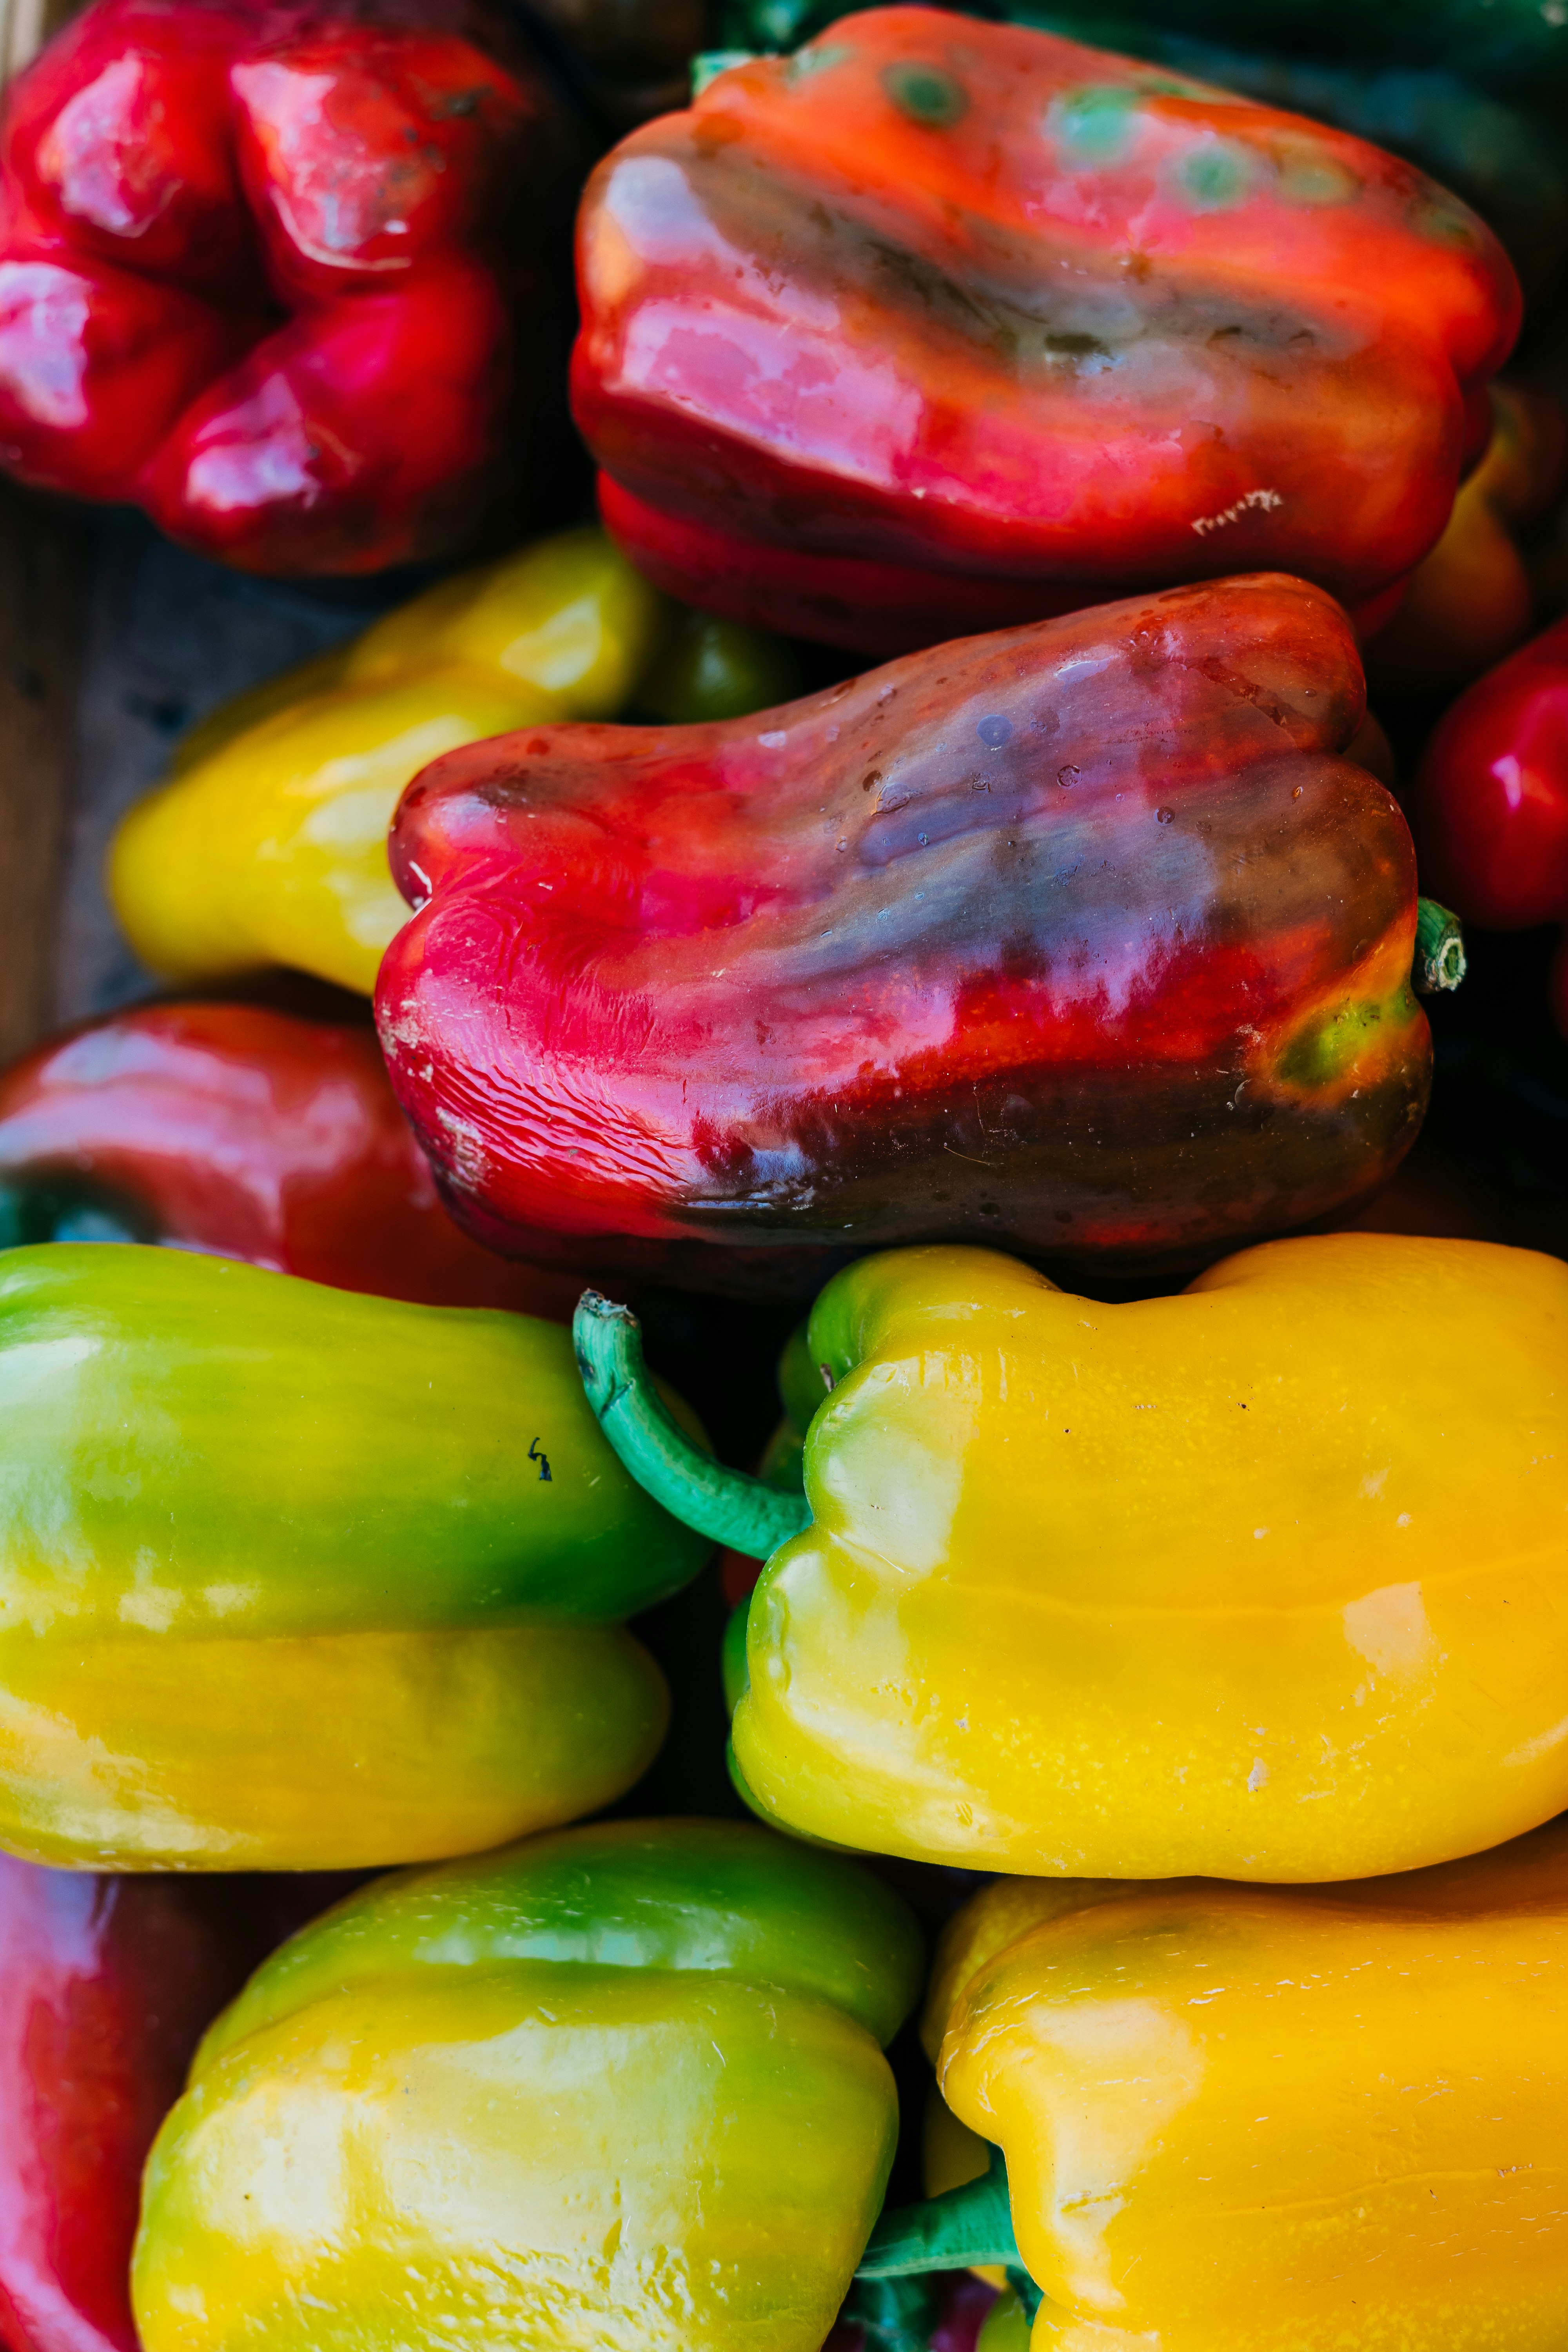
(250, 1134)
(301, 1579)
(621, 2087)
(1262, 1580)
(938, 326)
(1274, 2118)
(1089, 937)
(174, 180)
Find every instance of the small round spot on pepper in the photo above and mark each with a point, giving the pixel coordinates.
(928, 95)
(1067, 777)
(1165, 816)
(1093, 125)
(995, 731)
(1307, 175)
(1215, 175)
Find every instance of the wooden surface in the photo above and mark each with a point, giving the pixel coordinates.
(45, 562)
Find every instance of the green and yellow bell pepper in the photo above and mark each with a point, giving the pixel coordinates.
(621, 2087)
(268, 841)
(1262, 1582)
(297, 1578)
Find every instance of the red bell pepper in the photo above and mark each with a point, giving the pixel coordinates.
(106, 1986)
(1491, 802)
(250, 1134)
(1084, 939)
(938, 325)
(267, 270)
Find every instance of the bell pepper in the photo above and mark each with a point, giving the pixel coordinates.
(941, 325)
(106, 1986)
(248, 1133)
(1087, 936)
(1371, 2076)
(1474, 597)
(301, 1578)
(1470, 93)
(1262, 1580)
(268, 842)
(1490, 805)
(274, 271)
(622, 2085)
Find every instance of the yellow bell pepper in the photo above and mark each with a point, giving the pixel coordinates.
(268, 841)
(1269, 2119)
(1267, 1580)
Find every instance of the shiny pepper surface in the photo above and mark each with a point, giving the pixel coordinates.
(1088, 935)
(1277, 2119)
(1263, 1580)
(267, 270)
(248, 1133)
(268, 842)
(940, 325)
(620, 2087)
(1491, 802)
(299, 1579)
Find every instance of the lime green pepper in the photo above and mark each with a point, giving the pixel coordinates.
(297, 1578)
(620, 2086)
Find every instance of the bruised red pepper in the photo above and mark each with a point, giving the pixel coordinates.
(1491, 796)
(250, 1134)
(106, 1986)
(1084, 939)
(940, 325)
(270, 270)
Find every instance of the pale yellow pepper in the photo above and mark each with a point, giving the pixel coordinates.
(268, 841)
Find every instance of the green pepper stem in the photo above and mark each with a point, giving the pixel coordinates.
(1439, 949)
(951, 2233)
(724, 1505)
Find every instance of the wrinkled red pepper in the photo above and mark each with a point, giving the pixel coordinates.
(1084, 939)
(269, 270)
(940, 325)
(106, 1986)
(248, 1133)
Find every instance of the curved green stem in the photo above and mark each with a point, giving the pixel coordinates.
(725, 1505)
(1439, 949)
(965, 2226)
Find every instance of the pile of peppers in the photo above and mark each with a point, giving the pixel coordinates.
(924, 904)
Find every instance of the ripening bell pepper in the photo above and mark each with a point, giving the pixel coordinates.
(273, 271)
(1263, 1580)
(940, 325)
(106, 1986)
(297, 1578)
(1089, 936)
(1471, 91)
(248, 1133)
(621, 2087)
(268, 842)
(1475, 597)
(1271, 2119)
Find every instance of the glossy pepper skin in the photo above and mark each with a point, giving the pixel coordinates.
(1491, 796)
(1086, 936)
(268, 842)
(620, 2086)
(248, 1133)
(941, 325)
(271, 271)
(1275, 2119)
(297, 1578)
(1474, 104)
(106, 1986)
(1262, 1580)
